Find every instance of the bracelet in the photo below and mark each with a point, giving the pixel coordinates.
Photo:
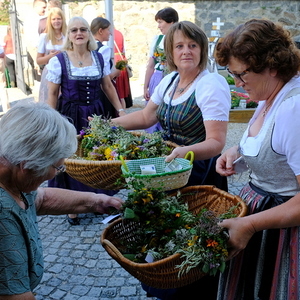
(121, 109)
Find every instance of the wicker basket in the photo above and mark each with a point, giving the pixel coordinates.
(162, 274)
(98, 174)
(165, 180)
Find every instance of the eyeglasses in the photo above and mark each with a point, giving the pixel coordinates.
(60, 169)
(81, 29)
(238, 76)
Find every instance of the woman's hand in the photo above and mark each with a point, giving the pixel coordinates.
(178, 152)
(224, 164)
(146, 94)
(122, 113)
(105, 202)
(240, 231)
(54, 52)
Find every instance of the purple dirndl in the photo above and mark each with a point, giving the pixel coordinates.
(81, 97)
(155, 79)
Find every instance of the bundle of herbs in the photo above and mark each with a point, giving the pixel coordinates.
(104, 141)
(166, 226)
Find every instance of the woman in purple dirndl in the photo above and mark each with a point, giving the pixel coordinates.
(76, 79)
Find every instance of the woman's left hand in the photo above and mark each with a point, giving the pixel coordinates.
(240, 231)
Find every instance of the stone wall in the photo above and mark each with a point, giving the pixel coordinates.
(135, 19)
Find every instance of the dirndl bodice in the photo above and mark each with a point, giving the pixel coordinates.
(81, 96)
(182, 123)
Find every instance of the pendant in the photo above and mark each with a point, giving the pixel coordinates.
(181, 90)
(80, 63)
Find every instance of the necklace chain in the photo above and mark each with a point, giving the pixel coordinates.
(60, 38)
(267, 109)
(181, 90)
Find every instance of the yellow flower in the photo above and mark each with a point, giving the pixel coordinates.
(107, 153)
(149, 194)
(193, 241)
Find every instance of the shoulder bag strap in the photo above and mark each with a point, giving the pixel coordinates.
(119, 50)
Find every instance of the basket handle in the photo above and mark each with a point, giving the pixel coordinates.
(190, 156)
(124, 163)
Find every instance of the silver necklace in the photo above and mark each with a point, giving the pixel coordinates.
(80, 63)
(60, 38)
(181, 90)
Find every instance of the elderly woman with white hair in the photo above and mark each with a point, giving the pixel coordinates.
(76, 78)
(34, 142)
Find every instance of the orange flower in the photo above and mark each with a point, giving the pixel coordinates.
(146, 200)
(211, 243)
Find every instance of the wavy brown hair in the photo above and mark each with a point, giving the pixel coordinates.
(261, 44)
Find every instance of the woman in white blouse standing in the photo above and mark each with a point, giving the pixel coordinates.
(79, 74)
(192, 105)
(101, 29)
(50, 43)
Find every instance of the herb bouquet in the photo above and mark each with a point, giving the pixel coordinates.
(177, 234)
(101, 146)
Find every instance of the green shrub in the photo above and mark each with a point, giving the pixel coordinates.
(230, 80)
(4, 12)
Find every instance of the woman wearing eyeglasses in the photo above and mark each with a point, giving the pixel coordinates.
(76, 76)
(264, 60)
(34, 142)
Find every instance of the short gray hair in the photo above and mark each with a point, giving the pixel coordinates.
(37, 135)
(91, 45)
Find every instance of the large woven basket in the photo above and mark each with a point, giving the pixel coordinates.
(163, 274)
(98, 174)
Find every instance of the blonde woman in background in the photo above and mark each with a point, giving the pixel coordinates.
(50, 44)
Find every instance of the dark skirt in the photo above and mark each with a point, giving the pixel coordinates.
(268, 268)
(64, 181)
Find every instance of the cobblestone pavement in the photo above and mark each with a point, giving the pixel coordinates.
(77, 266)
